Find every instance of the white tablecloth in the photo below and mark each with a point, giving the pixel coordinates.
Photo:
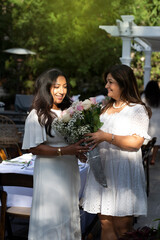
(19, 165)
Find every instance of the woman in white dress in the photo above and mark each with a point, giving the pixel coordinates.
(55, 211)
(125, 127)
(151, 96)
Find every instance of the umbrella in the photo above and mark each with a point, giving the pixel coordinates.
(19, 51)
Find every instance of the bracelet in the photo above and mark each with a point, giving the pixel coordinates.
(112, 139)
(59, 152)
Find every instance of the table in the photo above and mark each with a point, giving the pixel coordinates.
(16, 116)
(17, 165)
(22, 197)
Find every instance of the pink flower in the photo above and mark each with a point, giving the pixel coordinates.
(93, 100)
(71, 111)
(79, 107)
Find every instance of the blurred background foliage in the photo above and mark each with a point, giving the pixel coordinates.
(66, 34)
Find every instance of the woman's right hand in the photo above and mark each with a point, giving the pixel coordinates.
(75, 149)
(93, 139)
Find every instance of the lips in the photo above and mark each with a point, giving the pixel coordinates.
(109, 91)
(59, 98)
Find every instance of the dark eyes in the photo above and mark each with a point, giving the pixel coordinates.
(110, 82)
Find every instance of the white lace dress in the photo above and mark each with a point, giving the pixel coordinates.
(126, 194)
(55, 211)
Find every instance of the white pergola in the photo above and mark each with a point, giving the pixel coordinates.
(141, 38)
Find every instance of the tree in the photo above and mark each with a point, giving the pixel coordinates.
(66, 34)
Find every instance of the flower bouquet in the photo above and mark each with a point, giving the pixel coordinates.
(80, 118)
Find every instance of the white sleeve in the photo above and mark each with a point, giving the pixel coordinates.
(34, 133)
(140, 121)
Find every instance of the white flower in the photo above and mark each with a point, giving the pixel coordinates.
(74, 104)
(65, 116)
(71, 110)
(86, 104)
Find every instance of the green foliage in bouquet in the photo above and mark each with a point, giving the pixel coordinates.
(91, 118)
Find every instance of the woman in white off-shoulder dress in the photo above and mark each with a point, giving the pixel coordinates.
(120, 138)
(55, 211)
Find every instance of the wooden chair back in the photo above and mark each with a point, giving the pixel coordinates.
(9, 136)
(12, 179)
(146, 148)
(146, 151)
(3, 155)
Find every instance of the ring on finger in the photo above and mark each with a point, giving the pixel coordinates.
(80, 150)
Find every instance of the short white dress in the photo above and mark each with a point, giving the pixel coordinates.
(55, 210)
(126, 194)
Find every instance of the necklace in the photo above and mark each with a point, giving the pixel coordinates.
(114, 106)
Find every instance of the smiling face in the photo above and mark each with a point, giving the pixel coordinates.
(58, 91)
(114, 90)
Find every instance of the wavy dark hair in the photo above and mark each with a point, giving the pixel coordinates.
(43, 100)
(126, 79)
(152, 93)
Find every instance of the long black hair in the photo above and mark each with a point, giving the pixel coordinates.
(152, 94)
(43, 100)
(126, 79)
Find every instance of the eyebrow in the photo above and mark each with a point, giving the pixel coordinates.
(109, 79)
(59, 84)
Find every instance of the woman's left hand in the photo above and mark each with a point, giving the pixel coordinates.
(93, 139)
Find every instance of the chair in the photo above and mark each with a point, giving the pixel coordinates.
(146, 150)
(12, 179)
(9, 138)
(3, 155)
